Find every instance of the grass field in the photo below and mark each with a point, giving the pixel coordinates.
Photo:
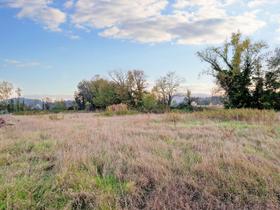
(205, 160)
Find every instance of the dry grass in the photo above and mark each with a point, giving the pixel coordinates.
(87, 161)
(248, 115)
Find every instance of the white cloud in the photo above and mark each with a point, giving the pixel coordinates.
(106, 13)
(181, 4)
(39, 11)
(259, 3)
(215, 31)
(69, 4)
(147, 21)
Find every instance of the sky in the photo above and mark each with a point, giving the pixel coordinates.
(48, 46)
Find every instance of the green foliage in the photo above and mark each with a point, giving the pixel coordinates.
(150, 103)
(59, 106)
(104, 94)
(98, 93)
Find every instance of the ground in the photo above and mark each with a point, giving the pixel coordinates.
(144, 161)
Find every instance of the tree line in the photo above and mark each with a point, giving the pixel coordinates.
(127, 88)
(12, 102)
(12, 105)
(246, 72)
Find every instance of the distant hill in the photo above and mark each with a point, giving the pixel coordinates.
(38, 104)
(199, 100)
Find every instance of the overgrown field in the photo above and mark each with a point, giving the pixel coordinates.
(205, 160)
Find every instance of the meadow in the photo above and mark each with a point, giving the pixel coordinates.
(219, 159)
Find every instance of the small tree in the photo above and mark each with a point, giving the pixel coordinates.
(46, 103)
(6, 89)
(149, 102)
(137, 84)
(166, 87)
(189, 98)
(18, 92)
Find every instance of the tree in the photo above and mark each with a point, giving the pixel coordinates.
(97, 93)
(104, 93)
(59, 105)
(130, 86)
(46, 103)
(11, 106)
(120, 82)
(6, 89)
(166, 87)
(189, 98)
(234, 65)
(149, 102)
(84, 95)
(137, 85)
(18, 92)
(272, 82)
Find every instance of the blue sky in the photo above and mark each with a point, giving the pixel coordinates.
(48, 46)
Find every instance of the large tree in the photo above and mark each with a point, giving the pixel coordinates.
(137, 85)
(130, 86)
(104, 93)
(95, 93)
(120, 81)
(272, 81)
(85, 95)
(238, 69)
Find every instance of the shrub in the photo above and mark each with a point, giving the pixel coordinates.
(118, 109)
(149, 103)
(56, 117)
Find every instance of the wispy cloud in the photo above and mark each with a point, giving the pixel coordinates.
(259, 3)
(23, 64)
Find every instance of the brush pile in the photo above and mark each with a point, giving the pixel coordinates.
(2, 122)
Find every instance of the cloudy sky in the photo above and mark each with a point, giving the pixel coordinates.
(48, 46)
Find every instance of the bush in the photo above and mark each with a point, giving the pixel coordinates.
(149, 103)
(117, 108)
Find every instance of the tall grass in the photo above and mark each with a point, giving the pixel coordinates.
(248, 115)
(88, 161)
